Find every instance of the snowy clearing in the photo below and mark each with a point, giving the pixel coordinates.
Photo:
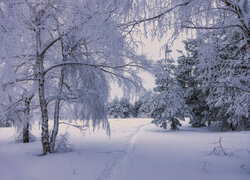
(136, 150)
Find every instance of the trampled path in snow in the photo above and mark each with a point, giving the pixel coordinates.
(156, 154)
(114, 171)
(136, 150)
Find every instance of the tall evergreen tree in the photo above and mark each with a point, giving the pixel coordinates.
(187, 73)
(168, 105)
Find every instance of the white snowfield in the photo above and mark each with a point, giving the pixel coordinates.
(136, 150)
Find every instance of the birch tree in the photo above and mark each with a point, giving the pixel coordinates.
(16, 69)
(77, 48)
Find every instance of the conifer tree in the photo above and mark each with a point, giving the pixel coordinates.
(187, 73)
(168, 105)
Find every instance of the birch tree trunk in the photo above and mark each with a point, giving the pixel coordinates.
(41, 91)
(56, 114)
(57, 105)
(26, 125)
(45, 118)
(26, 137)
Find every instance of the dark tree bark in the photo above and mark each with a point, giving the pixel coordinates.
(26, 125)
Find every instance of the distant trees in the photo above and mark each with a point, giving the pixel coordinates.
(120, 109)
(123, 108)
(143, 105)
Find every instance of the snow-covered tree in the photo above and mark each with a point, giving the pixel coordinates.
(210, 95)
(187, 74)
(167, 105)
(226, 78)
(16, 70)
(74, 49)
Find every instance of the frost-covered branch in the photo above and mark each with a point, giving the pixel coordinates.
(75, 126)
(158, 16)
(99, 66)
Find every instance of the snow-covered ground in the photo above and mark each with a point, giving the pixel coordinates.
(136, 150)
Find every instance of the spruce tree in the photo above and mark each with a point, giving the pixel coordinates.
(187, 73)
(167, 105)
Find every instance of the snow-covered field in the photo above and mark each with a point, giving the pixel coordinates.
(136, 150)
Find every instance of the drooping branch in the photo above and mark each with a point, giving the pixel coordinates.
(98, 66)
(73, 125)
(137, 22)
